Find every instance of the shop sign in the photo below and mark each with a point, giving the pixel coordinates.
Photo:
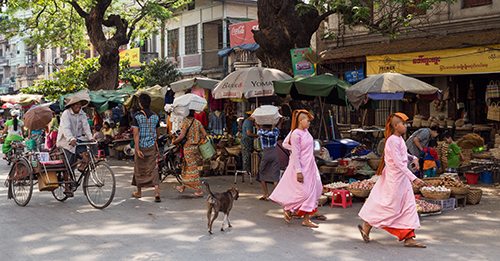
(354, 76)
(240, 34)
(484, 59)
(133, 55)
(301, 67)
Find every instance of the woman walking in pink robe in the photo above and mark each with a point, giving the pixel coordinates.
(300, 187)
(391, 204)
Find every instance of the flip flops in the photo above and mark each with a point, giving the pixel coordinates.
(417, 245)
(320, 217)
(366, 238)
(264, 198)
(310, 224)
(157, 199)
(134, 194)
(288, 216)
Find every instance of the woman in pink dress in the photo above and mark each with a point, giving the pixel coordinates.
(300, 187)
(391, 204)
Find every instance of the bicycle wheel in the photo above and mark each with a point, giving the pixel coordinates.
(99, 185)
(58, 193)
(21, 184)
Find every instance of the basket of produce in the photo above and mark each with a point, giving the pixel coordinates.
(416, 189)
(433, 181)
(424, 207)
(432, 192)
(474, 196)
(456, 187)
(361, 189)
(335, 185)
(374, 163)
(322, 200)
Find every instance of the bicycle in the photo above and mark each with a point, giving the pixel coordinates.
(98, 179)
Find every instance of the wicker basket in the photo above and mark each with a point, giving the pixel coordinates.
(450, 123)
(458, 190)
(374, 163)
(360, 193)
(474, 196)
(234, 150)
(433, 181)
(435, 194)
(416, 189)
(322, 200)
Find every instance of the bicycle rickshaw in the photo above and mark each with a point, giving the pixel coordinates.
(49, 170)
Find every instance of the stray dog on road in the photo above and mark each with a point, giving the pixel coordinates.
(220, 202)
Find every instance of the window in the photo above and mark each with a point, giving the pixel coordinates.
(474, 3)
(173, 43)
(31, 55)
(191, 39)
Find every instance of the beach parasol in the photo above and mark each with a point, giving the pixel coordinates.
(387, 86)
(37, 117)
(249, 83)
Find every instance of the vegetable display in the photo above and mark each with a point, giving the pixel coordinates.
(365, 184)
(336, 185)
(425, 207)
(436, 189)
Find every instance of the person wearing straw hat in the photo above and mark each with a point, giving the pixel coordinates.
(300, 187)
(73, 126)
(247, 137)
(391, 204)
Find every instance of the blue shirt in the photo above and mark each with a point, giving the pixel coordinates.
(147, 127)
(268, 138)
(247, 125)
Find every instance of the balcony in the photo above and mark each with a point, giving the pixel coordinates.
(4, 61)
(30, 70)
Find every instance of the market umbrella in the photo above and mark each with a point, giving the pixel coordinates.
(387, 86)
(182, 105)
(157, 99)
(7, 106)
(248, 83)
(185, 84)
(37, 117)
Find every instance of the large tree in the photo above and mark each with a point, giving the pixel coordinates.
(108, 24)
(290, 24)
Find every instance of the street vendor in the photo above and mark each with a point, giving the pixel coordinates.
(420, 139)
(247, 137)
(391, 204)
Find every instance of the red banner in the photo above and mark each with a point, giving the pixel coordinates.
(240, 34)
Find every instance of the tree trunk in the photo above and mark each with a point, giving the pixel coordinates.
(281, 28)
(106, 78)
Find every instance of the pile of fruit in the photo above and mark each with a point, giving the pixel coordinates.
(436, 189)
(365, 184)
(336, 185)
(426, 207)
(448, 181)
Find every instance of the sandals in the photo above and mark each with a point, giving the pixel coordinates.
(319, 217)
(197, 194)
(134, 194)
(310, 224)
(417, 245)
(264, 198)
(365, 237)
(288, 216)
(157, 199)
(180, 189)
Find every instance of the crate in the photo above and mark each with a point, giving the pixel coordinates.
(446, 204)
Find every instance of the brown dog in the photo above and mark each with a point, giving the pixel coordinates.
(220, 202)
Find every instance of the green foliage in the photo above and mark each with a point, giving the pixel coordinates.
(160, 71)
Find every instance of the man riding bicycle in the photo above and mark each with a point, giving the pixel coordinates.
(73, 127)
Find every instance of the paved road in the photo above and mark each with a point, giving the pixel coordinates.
(175, 229)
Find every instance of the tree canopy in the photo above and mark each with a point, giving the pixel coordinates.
(290, 24)
(107, 24)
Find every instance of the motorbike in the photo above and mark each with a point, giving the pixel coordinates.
(16, 151)
(169, 161)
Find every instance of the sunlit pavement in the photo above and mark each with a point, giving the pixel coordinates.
(176, 228)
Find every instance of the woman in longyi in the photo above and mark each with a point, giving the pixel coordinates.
(391, 204)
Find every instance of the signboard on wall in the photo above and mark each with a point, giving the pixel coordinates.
(301, 67)
(240, 34)
(471, 60)
(354, 76)
(133, 55)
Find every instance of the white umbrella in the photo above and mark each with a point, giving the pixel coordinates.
(249, 83)
(185, 84)
(186, 102)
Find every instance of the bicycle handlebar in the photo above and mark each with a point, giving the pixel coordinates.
(86, 143)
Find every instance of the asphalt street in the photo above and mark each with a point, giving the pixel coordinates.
(176, 228)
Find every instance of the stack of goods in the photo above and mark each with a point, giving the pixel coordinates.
(439, 105)
(361, 189)
(438, 192)
(417, 121)
(442, 151)
(470, 141)
(266, 115)
(334, 186)
(424, 207)
(456, 187)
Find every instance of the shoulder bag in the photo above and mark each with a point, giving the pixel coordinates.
(184, 140)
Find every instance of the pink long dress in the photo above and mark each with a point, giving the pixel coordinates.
(391, 202)
(290, 193)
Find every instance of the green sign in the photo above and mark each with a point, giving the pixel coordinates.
(301, 67)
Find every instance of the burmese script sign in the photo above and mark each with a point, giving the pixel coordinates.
(451, 61)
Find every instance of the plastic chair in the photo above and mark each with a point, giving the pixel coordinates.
(101, 154)
(243, 177)
(343, 197)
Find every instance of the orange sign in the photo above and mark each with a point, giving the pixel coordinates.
(133, 55)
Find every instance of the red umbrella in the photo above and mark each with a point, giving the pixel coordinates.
(37, 118)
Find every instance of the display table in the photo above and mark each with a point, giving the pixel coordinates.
(368, 135)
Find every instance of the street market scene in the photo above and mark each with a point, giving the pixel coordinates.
(250, 129)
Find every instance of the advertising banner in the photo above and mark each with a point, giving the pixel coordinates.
(484, 59)
(240, 34)
(301, 67)
(133, 55)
